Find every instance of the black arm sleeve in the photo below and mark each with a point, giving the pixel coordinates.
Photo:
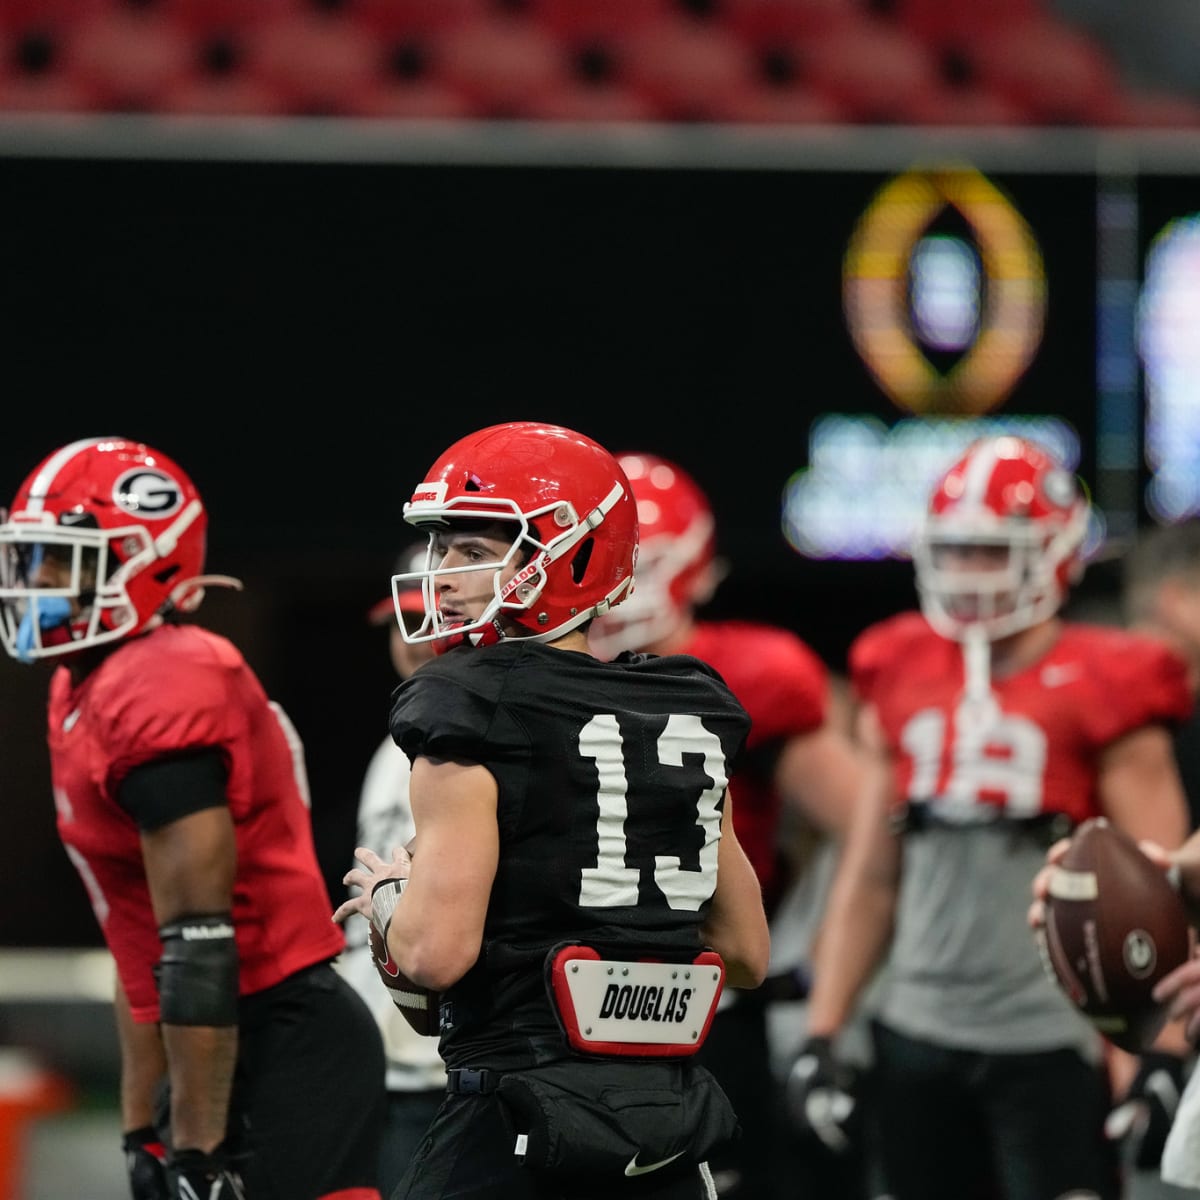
(162, 791)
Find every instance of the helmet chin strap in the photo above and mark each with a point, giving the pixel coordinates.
(489, 635)
(187, 595)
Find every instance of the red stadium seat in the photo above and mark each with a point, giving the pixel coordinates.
(790, 104)
(763, 24)
(592, 36)
(228, 95)
(873, 69)
(127, 59)
(314, 61)
(966, 107)
(1058, 74)
(203, 18)
(949, 23)
(409, 100)
(597, 20)
(57, 92)
(688, 70)
(500, 64)
(21, 15)
(590, 103)
(415, 18)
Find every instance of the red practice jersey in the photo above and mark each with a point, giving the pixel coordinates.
(1035, 748)
(784, 687)
(175, 689)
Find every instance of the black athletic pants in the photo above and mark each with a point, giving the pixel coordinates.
(965, 1125)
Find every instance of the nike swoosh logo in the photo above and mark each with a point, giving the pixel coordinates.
(1056, 676)
(381, 954)
(634, 1169)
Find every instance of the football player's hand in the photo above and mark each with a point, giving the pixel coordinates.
(821, 1095)
(146, 1162)
(372, 871)
(1180, 991)
(195, 1175)
(1142, 1118)
(1041, 883)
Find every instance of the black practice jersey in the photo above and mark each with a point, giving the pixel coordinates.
(612, 781)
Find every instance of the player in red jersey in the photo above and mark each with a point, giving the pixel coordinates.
(796, 754)
(991, 726)
(183, 803)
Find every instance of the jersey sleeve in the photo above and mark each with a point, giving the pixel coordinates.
(792, 689)
(1140, 681)
(876, 648)
(161, 713)
(435, 712)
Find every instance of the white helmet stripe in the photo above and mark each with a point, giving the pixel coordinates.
(54, 464)
(978, 475)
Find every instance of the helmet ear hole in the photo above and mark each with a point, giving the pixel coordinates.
(580, 560)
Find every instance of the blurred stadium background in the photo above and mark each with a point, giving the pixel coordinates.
(805, 247)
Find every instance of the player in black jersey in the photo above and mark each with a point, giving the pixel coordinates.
(575, 892)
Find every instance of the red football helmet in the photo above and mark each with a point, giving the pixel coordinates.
(676, 568)
(1002, 540)
(573, 513)
(103, 537)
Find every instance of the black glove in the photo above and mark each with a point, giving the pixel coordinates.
(1143, 1116)
(146, 1162)
(821, 1095)
(194, 1175)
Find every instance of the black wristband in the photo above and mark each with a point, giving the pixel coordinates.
(196, 1160)
(1161, 1060)
(135, 1139)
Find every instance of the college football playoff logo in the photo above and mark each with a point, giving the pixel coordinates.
(1139, 953)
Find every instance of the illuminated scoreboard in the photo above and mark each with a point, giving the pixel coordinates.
(944, 294)
(1168, 348)
(979, 304)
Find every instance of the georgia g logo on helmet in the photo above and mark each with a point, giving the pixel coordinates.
(147, 492)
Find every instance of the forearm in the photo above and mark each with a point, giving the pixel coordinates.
(736, 925)
(201, 1063)
(143, 1065)
(851, 943)
(855, 932)
(436, 931)
(743, 947)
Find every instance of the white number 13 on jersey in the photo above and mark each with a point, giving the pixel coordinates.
(610, 883)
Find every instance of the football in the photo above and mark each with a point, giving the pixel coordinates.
(420, 1007)
(1114, 927)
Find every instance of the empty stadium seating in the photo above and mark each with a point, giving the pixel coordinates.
(936, 62)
